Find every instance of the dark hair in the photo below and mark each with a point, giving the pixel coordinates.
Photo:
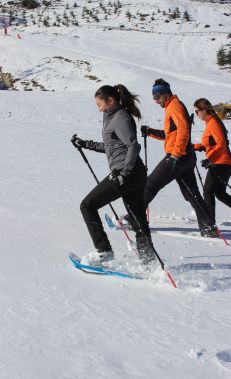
(161, 82)
(121, 94)
(204, 104)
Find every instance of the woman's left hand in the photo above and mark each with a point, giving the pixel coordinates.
(116, 180)
(78, 142)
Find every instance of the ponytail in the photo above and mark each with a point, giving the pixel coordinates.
(121, 94)
(128, 101)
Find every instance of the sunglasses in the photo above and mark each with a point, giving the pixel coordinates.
(156, 97)
(198, 110)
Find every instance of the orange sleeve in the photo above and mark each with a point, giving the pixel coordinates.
(157, 134)
(216, 132)
(182, 134)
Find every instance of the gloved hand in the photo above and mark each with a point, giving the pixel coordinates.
(78, 142)
(206, 163)
(116, 180)
(172, 162)
(145, 130)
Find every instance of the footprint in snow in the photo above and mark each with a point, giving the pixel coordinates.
(197, 354)
(224, 357)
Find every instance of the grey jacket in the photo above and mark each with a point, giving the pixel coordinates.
(119, 140)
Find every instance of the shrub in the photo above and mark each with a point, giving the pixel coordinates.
(186, 16)
(30, 4)
(221, 57)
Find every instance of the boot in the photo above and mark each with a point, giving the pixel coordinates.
(97, 258)
(209, 232)
(207, 229)
(145, 249)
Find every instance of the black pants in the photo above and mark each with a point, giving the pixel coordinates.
(186, 179)
(215, 187)
(132, 193)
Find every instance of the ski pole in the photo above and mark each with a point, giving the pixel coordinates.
(194, 197)
(144, 135)
(113, 210)
(157, 255)
(199, 175)
(146, 165)
(145, 149)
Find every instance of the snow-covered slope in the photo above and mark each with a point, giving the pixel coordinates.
(56, 321)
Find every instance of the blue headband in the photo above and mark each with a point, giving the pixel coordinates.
(159, 89)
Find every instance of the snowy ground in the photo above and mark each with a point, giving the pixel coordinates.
(58, 322)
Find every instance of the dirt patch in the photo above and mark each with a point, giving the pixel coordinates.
(7, 80)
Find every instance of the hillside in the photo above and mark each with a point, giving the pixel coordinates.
(56, 321)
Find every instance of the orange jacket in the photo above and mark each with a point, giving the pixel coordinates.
(176, 128)
(215, 143)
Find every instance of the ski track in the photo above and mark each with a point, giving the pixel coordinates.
(188, 78)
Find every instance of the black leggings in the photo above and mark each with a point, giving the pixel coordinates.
(132, 193)
(186, 179)
(215, 186)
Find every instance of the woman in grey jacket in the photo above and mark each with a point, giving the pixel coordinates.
(128, 174)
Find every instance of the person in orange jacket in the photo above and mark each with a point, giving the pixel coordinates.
(218, 156)
(180, 159)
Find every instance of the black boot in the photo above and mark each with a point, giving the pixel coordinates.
(207, 229)
(145, 248)
(209, 232)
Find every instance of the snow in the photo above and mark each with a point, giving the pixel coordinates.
(56, 321)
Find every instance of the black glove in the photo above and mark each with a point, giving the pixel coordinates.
(116, 180)
(145, 130)
(206, 163)
(202, 148)
(78, 142)
(172, 162)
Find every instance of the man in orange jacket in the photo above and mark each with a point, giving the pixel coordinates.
(180, 159)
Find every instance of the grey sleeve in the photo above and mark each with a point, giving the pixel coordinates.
(126, 132)
(96, 146)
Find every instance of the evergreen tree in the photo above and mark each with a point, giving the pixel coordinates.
(221, 57)
(46, 22)
(186, 16)
(228, 57)
(128, 15)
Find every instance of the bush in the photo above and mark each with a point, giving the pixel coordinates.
(228, 57)
(221, 57)
(30, 4)
(187, 16)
